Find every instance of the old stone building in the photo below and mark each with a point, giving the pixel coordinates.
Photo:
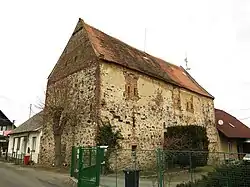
(108, 80)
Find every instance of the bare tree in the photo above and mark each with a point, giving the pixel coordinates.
(61, 110)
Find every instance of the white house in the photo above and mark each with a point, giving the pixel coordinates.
(25, 139)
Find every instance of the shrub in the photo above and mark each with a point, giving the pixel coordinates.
(224, 176)
(107, 136)
(192, 145)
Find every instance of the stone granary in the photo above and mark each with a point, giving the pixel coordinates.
(103, 79)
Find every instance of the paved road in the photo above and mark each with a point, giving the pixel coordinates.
(16, 176)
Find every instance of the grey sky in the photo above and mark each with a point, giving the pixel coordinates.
(215, 34)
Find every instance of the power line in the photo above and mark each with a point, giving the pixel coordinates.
(244, 118)
(242, 109)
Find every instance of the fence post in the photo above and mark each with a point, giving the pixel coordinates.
(80, 168)
(224, 158)
(159, 163)
(90, 156)
(73, 159)
(190, 165)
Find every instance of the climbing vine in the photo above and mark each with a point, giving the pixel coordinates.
(109, 137)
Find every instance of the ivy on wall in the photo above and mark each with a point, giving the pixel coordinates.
(109, 137)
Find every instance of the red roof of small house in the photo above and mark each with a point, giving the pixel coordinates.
(230, 126)
(112, 50)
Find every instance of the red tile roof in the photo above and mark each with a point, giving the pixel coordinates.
(116, 51)
(231, 127)
(113, 50)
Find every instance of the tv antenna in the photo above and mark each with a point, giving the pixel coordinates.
(145, 38)
(186, 60)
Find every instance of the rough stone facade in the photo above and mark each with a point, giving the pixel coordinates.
(76, 77)
(143, 107)
(139, 105)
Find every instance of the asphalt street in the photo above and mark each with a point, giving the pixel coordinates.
(16, 176)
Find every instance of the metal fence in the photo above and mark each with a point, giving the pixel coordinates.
(198, 169)
(166, 168)
(15, 158)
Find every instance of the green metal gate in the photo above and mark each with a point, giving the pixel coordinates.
(86, 165)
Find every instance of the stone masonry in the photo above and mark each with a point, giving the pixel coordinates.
(140, 105)
(143, 116)
(77, 71)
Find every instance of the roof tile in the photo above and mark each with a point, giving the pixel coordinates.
(113, 50)
(231, 127)
(31, 125)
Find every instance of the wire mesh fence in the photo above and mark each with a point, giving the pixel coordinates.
(16, 158)
(203, 169)
(137, 168)
(168, 168)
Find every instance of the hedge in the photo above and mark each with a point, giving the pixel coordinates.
(189, 148)
(224, 176)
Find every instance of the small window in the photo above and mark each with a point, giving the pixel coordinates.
(18, 143)
(134, 147)
(33, 144)
(128, 91)
(190, 106)
(4, 128)
(133, 152)
(133, 121)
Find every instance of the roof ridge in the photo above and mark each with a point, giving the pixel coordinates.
(232, 116)
(30, 124)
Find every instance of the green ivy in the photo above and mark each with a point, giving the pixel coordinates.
(109, 137)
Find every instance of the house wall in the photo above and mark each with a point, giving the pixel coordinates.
(29, 144)
(149, 108)
(76, 77)
(226, 153)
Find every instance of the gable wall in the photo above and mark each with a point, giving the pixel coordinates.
(76, 77)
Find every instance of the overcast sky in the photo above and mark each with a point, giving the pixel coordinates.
(214, 33)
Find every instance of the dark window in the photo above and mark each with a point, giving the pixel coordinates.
(134, 147)
(18, 143)
(133, 121)
(128, 91)
(33, 144)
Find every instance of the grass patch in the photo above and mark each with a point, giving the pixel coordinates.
(204, 169)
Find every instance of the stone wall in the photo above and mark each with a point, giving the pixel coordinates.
(142, 107)
(72, 85)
